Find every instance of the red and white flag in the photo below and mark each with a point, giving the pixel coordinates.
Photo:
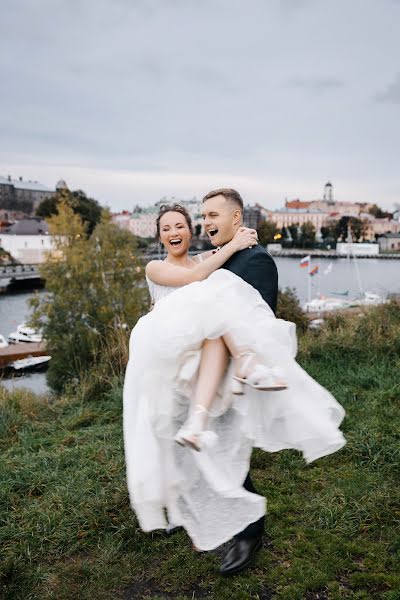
(305, 261)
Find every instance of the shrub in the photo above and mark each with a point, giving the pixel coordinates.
(289, 309)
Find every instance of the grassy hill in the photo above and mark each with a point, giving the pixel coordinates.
(332, 529)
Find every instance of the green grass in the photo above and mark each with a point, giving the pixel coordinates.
(67, 532)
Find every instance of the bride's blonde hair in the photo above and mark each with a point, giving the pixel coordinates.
(164, 208)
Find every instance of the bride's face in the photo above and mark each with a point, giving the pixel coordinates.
(175, 233)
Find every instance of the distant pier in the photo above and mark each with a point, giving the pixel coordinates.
(300, 252)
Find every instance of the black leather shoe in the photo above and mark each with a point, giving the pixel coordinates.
(171, 528)
(240, 555)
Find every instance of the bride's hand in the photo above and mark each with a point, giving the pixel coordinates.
(245, 238)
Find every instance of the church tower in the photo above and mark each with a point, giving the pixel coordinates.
(328, 193)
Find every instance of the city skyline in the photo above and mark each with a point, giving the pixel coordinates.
(177, 98)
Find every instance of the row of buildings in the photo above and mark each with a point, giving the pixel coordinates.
(28, 240)
(321, 213)
(25, 237)
(20, 198)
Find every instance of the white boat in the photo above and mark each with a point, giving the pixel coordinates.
(322, 304)
(317, 323)
(4, 283)
(24, 334)
(325, 304)
(30, 362)
(371, 299)
(3, 342)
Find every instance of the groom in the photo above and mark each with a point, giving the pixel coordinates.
(223, 215)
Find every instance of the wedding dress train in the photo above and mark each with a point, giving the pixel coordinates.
(202, 491)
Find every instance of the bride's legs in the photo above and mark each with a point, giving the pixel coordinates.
(213, 364)
(249, 367)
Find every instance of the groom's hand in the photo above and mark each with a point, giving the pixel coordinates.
(245, 238)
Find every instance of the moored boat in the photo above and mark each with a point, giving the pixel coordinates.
(30, 362)
(24, 334)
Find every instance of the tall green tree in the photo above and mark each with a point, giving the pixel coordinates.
(357, 228)
(266, 232)
(329, 234)
(307, 235)
(377, 212)
(94, 285)
(294, 234)
(87, 208)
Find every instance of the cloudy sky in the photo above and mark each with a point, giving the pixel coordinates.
(131, 100)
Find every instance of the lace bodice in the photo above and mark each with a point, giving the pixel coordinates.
(157, 292)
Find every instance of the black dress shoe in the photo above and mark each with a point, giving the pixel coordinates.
(171, 528)
(240, 555)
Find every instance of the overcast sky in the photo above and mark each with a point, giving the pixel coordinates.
(131, 100)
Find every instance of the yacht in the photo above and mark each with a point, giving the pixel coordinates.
(30, 362)
(370, 299)
(24, 334)
(324, 304)
(3, 342)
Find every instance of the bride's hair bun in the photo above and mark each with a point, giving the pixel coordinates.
(164, 208)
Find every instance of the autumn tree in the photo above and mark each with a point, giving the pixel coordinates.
(94, 285)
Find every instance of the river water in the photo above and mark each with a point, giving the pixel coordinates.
(375, 275)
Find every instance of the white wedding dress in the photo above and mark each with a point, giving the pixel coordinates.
(202, 491)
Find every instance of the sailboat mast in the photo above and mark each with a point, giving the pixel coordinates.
(351, 251)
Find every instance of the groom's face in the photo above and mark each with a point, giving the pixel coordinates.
(221, 219)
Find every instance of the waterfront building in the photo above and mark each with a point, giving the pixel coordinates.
(253, 216)
(19, 197)
(142, 222)
(28, 241)
(389, 242)
(329, 205)
(286, 217)
(121, 219)
(374, 227)
(356, 249)
(192, 205)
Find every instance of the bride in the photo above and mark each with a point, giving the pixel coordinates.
(210, 367)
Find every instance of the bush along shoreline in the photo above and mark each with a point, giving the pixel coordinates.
(67, 530)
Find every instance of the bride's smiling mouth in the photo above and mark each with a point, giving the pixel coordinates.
(175, 242)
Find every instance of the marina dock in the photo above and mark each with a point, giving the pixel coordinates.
(18, 351)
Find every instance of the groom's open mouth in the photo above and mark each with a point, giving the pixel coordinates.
(212, 232)
(176, 242)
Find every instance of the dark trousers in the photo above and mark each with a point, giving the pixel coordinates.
(255, 529)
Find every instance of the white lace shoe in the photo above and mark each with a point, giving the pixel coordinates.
(261, 377)
(192, 432)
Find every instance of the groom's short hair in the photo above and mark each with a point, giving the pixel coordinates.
(230, 195)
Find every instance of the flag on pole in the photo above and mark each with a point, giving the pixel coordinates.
(314, 271)
(304, 261)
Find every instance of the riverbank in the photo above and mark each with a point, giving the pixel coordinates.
(68, 532)
(332, 254)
